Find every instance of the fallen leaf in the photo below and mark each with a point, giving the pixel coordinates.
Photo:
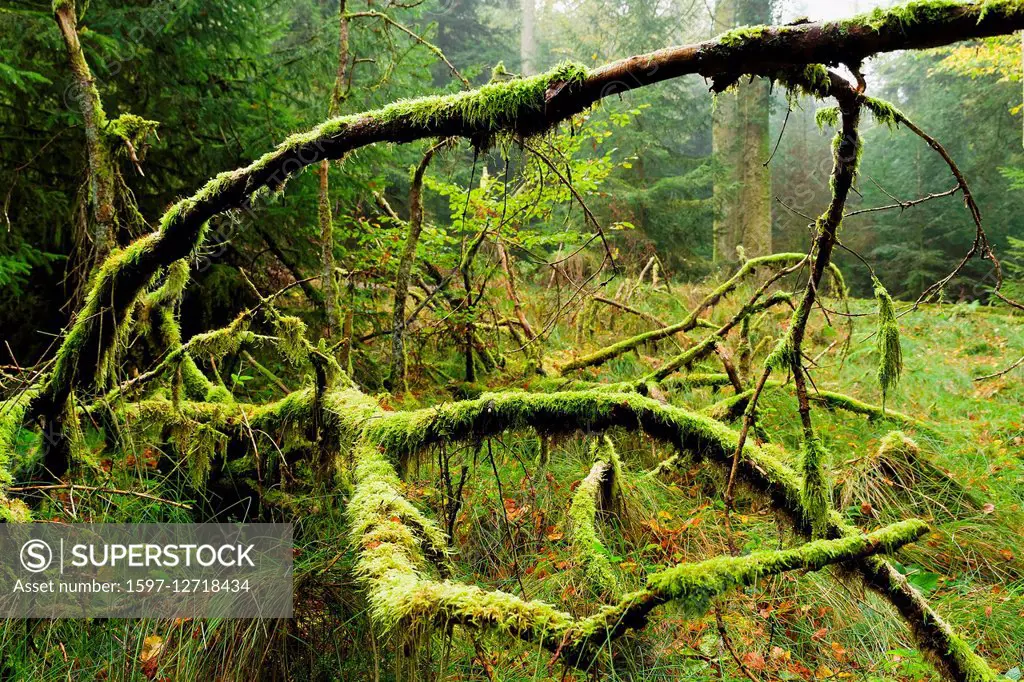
(151, 647)
(754, 661)
(824, 672)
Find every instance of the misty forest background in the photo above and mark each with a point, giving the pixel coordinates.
(227, 82)
(686, 186)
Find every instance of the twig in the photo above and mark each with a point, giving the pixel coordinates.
(903, 205)
(1001, 373)
(586, 209)
(980, 238)
(504, 515)
(415, 36)
(728, 645)
(93, 489)
(789, 110)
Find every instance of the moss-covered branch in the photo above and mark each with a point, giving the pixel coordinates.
(598, 492)
(733, 406)
(403, 597)
(707, 346)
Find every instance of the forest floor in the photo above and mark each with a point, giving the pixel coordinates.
(965, 476)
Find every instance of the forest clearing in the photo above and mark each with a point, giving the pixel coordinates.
(561, 353)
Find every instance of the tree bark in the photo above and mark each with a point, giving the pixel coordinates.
(412, 239)
(328, 277)
(102, 186)
(513, 294)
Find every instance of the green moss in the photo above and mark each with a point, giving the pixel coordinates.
(132, 131)
(883, 112)
(291, 337)
(783, 357)
(696, 585)
(590, 497)
(391, 537)
(72, 429)
(95, 307)
(12, 415)
(839, 401)
(742, 35)
(198, 443)
(827, 117)
(890, 352)
(906, 15)
(816, 485)
(811, 80)
(975, 667)
(695, 380)
(14, 511)
(224, 341)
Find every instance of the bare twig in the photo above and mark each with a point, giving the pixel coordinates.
(1001, 373)
(71, 487)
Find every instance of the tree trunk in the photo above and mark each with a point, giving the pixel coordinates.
(528, 39)
(328, 278)
(396, 378)
(101, 170)
(740, 137)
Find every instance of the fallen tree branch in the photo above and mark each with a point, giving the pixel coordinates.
(389, 566)
(690, 322)
(596, 493)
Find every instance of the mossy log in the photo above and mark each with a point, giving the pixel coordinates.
(596, 494)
